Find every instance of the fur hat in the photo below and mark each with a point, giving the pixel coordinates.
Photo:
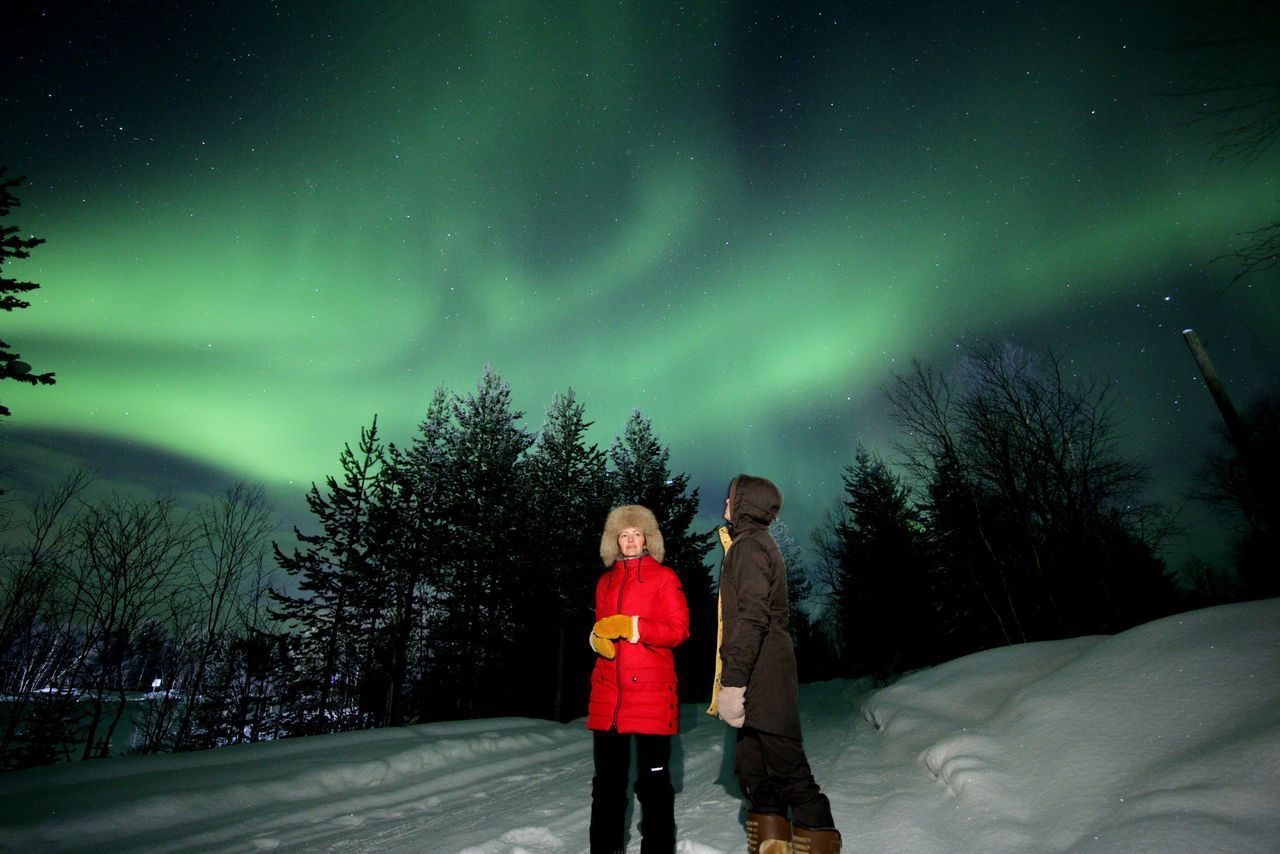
(630, 516)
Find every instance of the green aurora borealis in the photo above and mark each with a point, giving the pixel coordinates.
(265, 226)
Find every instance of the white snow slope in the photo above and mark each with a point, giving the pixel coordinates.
(1164, 738)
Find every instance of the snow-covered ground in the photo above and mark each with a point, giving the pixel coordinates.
(1164, 738)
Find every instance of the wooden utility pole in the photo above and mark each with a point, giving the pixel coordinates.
(1257, 496)
(1235, 425)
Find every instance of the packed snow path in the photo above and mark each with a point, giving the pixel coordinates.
(498, 785)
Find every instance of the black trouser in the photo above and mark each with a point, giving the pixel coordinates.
(774, 775)
(653, 790)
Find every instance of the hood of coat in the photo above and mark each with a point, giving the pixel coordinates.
(753, 502)
(630, 516)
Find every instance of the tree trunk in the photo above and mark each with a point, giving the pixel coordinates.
(558, 706)
(1235, 425)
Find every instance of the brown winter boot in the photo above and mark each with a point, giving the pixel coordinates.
(824, 841)
(768, 834)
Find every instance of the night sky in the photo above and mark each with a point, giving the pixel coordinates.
(267, 222)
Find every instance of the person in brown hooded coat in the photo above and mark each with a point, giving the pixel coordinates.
(757, 689)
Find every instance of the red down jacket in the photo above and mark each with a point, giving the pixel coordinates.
(635, 692)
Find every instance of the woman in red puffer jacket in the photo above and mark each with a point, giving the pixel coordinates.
(641, 616)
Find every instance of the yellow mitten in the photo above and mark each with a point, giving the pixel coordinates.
(617, 626)
(603, 646)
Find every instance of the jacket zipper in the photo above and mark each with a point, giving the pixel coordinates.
(617, 670)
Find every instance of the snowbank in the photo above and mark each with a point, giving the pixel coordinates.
(1163, 738)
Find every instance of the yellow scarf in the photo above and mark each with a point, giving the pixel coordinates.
(726, 541)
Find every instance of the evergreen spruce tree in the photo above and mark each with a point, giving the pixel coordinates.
(51, 732)
(330, 612)
(569, 490)
(213, 719)
(13, 246)
(877, 551)
(421, 475)
(485, 511)
(969, 600)
(394, 597)
(814, 655)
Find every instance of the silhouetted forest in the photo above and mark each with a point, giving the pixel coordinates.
(451, 576)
